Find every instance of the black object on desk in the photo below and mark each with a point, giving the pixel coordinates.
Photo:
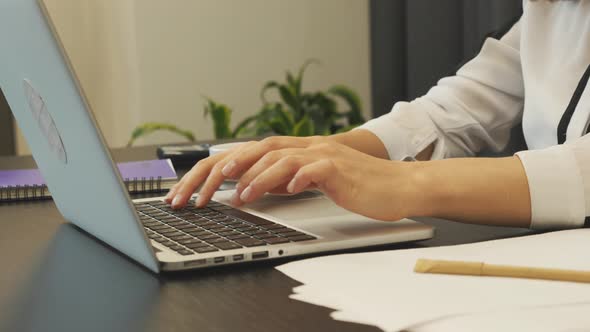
(184, 156)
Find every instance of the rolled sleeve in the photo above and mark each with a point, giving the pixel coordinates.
(406, 131)
(556, 186)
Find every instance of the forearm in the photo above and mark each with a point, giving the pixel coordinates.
(473, 190)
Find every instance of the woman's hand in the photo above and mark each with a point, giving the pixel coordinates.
(363, 184)
(212, 171)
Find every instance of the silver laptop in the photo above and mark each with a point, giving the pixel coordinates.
(52, 112)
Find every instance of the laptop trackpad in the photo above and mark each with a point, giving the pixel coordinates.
(305, 206)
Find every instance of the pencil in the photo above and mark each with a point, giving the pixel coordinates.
(491, 270)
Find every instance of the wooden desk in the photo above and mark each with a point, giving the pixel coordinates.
(56, 278)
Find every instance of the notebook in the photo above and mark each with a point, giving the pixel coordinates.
(139, 177)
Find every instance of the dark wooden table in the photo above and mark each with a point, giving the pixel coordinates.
(54, 277)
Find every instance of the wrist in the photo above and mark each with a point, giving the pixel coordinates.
(426, 195)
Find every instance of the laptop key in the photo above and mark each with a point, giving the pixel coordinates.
(167, 231)
(174, 234)
(206, 249)
(304, 237)
(157, 226)
(227, 233)
(265, 235)
(195, 246)
(178, 238)
(250, 242)
(276, 240)
(185, 226)
(283, 229)
(188, 241)
(291, 234)
(216, 240)
(227, 245)
(237, 236)
(192, 230)
(273, 227)
(185, 252)
(208, 236)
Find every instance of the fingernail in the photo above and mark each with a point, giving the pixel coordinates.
(226, 171)
(239, 187)
(199, 201)
(246, 194)
(235, 198)
(176, 201)
(291, 186)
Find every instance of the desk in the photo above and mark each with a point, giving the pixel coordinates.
(55, 278)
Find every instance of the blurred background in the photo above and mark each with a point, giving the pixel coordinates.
(153, 61)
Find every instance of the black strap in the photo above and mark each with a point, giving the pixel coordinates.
(587, 222)
(571, 108)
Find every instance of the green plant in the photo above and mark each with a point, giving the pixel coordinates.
(296, 113)
(293, 113)
(150, 127)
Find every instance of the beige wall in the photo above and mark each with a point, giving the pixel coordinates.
(151, 60)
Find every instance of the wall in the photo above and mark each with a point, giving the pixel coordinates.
(152, 60)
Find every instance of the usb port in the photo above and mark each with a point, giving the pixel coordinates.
(195, 263)
(217, 260)
(238, 257)
(260, 254)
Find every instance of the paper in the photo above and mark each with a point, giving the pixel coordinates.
(566, 318)
(381, 288)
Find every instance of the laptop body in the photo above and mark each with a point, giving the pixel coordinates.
(50, 107)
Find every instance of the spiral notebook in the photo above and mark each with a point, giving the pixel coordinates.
(139, 177)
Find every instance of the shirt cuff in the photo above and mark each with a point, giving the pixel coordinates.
(556, 188)
(406, 131)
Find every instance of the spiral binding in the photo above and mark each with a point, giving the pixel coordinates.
(23, 193)
(38, 192)
(144, 185)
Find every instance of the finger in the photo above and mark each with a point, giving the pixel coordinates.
(215, 177)
(171, 193)
(263, 164)
(194, 178)
(314, 174)
(241, 163)
(199, 174)
(273, 177)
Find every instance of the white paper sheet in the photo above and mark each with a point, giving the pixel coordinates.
(381, 288)
(563, 318)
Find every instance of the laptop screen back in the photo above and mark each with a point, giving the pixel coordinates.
(69, 149)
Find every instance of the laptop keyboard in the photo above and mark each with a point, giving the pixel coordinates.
(193, 230)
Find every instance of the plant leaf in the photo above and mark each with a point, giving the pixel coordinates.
(242, 127)
(305, 127)
(269, 85)
(221, 115)
(291, 100)
(151, 127)
(355, 115)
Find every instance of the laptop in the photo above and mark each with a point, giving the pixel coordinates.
(51, 109)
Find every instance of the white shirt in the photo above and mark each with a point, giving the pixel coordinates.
(529, 75)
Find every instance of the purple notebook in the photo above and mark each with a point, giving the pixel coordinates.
(150, 175)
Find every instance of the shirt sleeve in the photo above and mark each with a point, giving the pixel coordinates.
(559, 184)
(464, 113)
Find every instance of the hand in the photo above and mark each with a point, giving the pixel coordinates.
(360, 183)
(232, 164)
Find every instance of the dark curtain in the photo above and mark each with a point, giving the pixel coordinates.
(7, 145)
(414, 43)
(417, 42)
